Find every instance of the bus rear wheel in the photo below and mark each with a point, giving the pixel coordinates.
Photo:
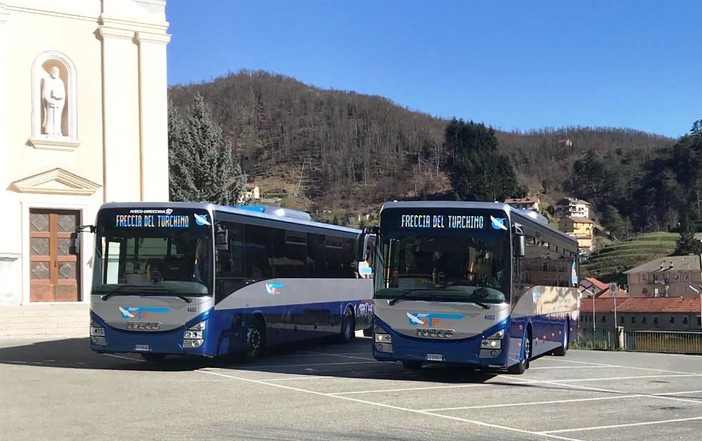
(348, 326)
(255, 339)
(560, 352)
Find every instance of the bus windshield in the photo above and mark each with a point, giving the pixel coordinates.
(150, 255)
(444, 266)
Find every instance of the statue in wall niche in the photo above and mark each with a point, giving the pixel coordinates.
(53, 98)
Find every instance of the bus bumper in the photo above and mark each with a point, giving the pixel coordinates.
(464, 351)
(107, 339)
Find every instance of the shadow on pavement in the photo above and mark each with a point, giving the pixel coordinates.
(317, 357)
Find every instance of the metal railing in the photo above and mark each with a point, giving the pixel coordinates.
(641, 341)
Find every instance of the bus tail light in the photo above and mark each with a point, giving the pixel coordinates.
(194, 336)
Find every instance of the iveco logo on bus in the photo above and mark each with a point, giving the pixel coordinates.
(144, 326)
(436, 333)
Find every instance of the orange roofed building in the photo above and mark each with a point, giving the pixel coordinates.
(638, 314)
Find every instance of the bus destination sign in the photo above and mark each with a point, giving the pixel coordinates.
(441, 221)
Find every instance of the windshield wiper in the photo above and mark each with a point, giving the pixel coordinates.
(141, 289)
(481, 304)
(458, 298)
(404, 295)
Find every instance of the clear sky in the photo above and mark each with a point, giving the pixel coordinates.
(510, 64)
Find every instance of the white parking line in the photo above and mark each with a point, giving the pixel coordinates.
(490, 406)
(562, 360)
(619, 426)
(629, 377)
(411, 389)
(543, 368)
(682, 392)
(389, 406)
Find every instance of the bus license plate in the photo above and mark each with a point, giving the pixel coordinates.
(142, 348)
(435, 357)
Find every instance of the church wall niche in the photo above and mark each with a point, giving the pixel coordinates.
(53, 103)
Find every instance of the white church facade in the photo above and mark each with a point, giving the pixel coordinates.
(83, 120)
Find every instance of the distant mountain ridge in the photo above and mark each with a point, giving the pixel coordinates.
(345, 152)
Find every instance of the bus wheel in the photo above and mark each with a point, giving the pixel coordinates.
(348, 326)
(523, 364)
(564, 344)
(255, 339)
(148, 356)
(412, 365)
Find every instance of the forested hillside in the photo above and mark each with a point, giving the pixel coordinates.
(347, 153)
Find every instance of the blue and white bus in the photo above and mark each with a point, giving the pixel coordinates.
(208, 280)
(471, 283)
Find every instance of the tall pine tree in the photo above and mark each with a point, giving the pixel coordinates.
(201, 164)
(477, 170)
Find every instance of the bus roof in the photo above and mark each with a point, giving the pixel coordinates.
(262, 212)
(522, 216)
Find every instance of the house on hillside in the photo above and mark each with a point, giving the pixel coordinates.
(251, 194)
(580, 228)
(526, 203)
(639, 314)
(571, 207)
(672, 276)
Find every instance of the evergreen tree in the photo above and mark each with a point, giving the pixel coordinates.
(687, 243)
(180, 160)
(201, 163)
(618, 226)
(476, 169)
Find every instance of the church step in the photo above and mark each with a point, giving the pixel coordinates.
(44, 321)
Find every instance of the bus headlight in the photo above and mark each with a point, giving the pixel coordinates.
(97, 334)
(494, 341)
(383, 338)
(95, 330)
(194, 336)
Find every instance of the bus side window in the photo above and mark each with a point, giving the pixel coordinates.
(257, 251)
(230, 262)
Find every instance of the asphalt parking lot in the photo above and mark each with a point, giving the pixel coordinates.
(59, 390)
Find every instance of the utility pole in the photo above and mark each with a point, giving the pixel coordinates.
(698, 291)
(613, 293)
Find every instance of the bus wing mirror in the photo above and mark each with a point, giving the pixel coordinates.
(365, 242)
(519, 242)
(74, 244)
(361, 246)
(222, 238)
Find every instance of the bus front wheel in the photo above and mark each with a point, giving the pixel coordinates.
(255, 339)
(523, 364)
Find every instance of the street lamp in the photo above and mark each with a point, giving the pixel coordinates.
(700, 294)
